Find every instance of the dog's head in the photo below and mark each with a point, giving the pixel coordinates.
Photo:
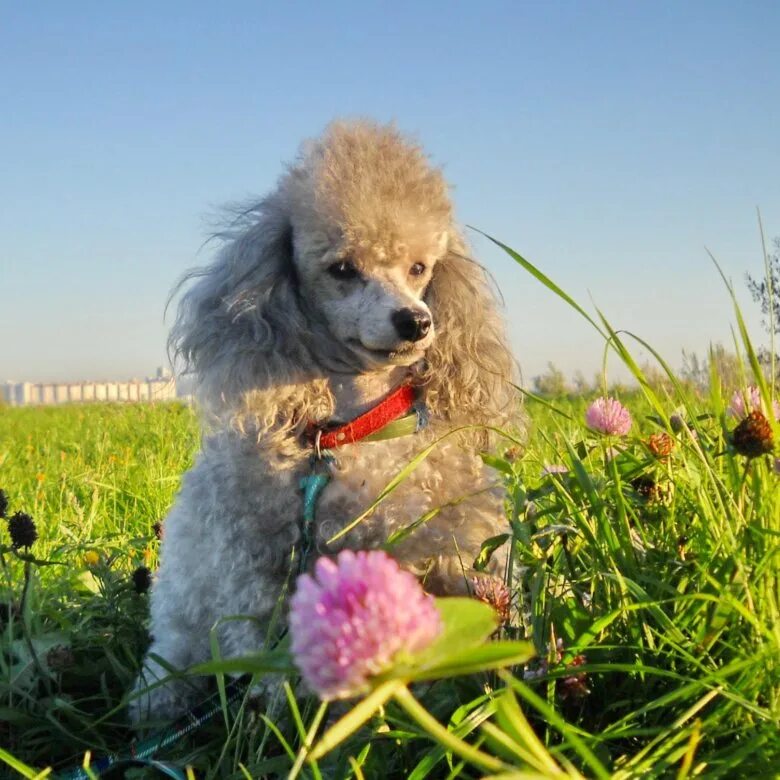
(370, 219)
(352, 264)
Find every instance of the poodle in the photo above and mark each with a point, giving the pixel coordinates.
(348, 285)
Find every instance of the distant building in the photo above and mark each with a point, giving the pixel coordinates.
(161, 387)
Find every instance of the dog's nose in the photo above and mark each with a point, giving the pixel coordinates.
(411, 325)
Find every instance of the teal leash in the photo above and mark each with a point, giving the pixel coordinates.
(312, 485)
(141, 751)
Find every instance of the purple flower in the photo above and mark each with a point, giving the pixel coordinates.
(354, 618)
(608, 415)
(743, 402)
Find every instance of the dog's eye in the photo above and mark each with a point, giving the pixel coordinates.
(343, 270)
(418, 269)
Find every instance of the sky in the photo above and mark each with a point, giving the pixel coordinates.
(611, 144)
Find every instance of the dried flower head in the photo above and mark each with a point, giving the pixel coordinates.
(3, 503)
(753, 436)
(158, 529)
(512, 454)
(493, 592)
(660, 445)
(608, 416)
(354, 617)
(743, 402)
(574, 686)
(142, 579)
(21, 526)
(653, 492)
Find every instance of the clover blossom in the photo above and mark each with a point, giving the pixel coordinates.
(354, 617)
(743, 402)
(608, 416)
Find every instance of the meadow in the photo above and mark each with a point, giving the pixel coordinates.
(645, 576)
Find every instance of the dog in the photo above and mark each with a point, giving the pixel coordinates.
(341, 307)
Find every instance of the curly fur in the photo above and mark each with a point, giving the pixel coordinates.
(277, 341)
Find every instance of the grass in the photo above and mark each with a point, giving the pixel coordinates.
(649, 587)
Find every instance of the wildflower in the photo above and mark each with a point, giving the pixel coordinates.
(512, 454)
(540, 671)
(493, 592)
(142, 579)
(660, 445)
(554, 468)
(574, 686)
(91, 558)
(609, 416)
(354, 617)
(3, 503)
(22, 529)
(40, 477)
(753, 436)
(745, 401)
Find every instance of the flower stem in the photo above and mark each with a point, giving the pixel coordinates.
(307, 741)
(26, 629)
(424, 719)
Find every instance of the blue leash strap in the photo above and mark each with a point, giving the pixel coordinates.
(141, 751)
(312, 485)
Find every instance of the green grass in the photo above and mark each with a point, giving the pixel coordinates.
(655, 580)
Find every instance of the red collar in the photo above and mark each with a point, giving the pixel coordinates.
(397, 404)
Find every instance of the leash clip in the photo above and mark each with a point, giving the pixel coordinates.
(423, 416)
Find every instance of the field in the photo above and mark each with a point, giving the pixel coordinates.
(646, 575)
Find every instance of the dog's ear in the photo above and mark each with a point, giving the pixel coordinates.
(237, 322)
(470, 367)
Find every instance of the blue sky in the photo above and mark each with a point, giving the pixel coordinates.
(607, 142)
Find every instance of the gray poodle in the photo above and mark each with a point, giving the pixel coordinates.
(349, 281)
